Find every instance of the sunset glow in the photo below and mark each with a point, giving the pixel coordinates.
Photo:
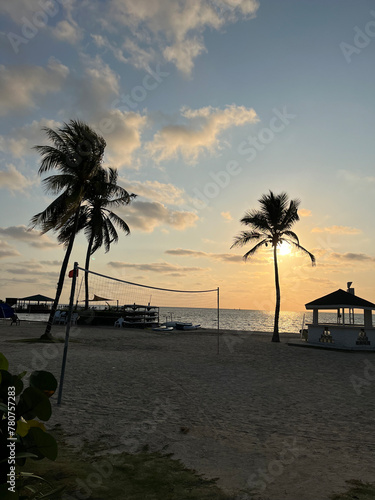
(284, 248)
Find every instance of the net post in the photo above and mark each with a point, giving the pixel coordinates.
(68, 321)
(218, 320)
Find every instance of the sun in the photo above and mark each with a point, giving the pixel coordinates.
(284, 248)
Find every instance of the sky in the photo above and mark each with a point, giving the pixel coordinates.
(205, 105)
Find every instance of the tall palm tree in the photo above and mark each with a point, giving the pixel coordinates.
(271, 225)
(97, 219)
(77, 154)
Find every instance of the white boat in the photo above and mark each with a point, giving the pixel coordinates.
(191, 327)
(186, 326)
(162, 328)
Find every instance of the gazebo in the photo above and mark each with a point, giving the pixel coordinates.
(34, 303)
(353, 328)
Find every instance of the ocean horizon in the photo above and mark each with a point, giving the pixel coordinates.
(230, 319)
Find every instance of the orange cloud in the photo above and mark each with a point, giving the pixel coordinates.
(147, 215)
(223, 257)
(303, 212)
(226, 215)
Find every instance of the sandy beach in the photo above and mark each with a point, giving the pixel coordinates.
(287, 422)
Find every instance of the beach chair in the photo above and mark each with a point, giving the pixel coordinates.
(62, 318)
(15, 319)
(74, 318)
(119, 322)
(56, 317)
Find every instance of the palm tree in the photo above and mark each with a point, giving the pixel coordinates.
(77, 153)
(271, 225)
(97, 219)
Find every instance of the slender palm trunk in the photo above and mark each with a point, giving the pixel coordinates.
(87, 265)
(275, 336)
(47, 334)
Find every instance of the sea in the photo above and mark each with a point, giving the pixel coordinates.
(231, 319)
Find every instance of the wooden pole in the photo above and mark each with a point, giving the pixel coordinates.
(68, 321)
(218, 320)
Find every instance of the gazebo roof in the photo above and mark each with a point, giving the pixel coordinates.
(340, 298)
(37, 298)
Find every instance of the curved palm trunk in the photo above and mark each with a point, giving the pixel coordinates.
(47, 334)
(87, 265)
(275, 336)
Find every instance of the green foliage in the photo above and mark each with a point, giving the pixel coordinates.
(151, 476)
(4, 365)
(358, 490)
(43, 381)
(19, 408)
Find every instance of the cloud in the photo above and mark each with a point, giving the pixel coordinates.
(200, 133)
(336, 230)
(223, 257)
(13, 180)
(129, 53)
(21, 140)
(96, 94)
(31, 271)
(20, 86)
(226, 216)
(67, 31)
(303, 212)
(35, 268)
(328, 258)
(97, 88)
(177, 28)
(155, 191)
(30, 236)
(183, 53)
(354, 177)
(354, 257)
(146, 216)
(7, 251)
(157, 267)
(21, 9)
(125, 137)
(139, 57)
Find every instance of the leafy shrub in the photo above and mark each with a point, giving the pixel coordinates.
(23, 410)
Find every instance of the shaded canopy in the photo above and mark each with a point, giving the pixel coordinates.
(340, 298)
(37, 298)
(97, 299)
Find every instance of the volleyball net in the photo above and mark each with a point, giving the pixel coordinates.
(140, 306)
(119, 297)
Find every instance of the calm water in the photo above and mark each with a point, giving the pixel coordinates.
(232, 319)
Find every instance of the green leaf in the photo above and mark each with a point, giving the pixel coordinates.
(44, 381)
(32, 475)
(4, 363)
(23, 427)
(25, 454)
(33, 403)
(44, 444)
